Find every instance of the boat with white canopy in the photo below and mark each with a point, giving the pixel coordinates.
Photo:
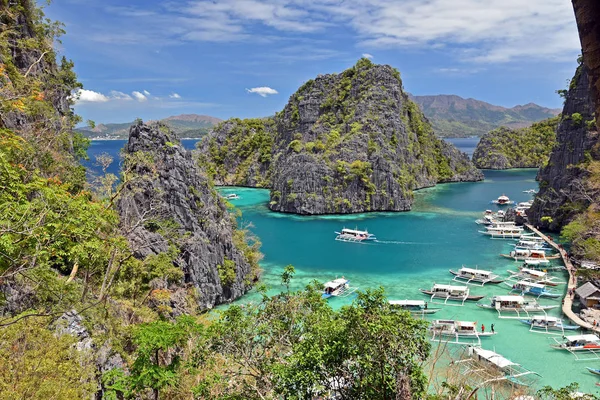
(450, 292)
(536, 276)
(530, 254)
(526, 287)
(354, 235)
(339, 287)
(449, 328)
(579, 344)
(514, 304)
(548, 324)
(503, 201)
(474, 275)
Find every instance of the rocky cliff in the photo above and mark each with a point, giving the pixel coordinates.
(167, 206)
(562, 193)
(344, 143)
(505, 148)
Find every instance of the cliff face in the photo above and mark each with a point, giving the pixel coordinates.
(168, 205)
(344, 143)
(562, 194)
(505, 148)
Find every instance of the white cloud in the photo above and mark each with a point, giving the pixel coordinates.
(116, 95)
(263, 91)
(138, 96)
(89, 96)
(174, 96)
(147, 93)
(367, 55)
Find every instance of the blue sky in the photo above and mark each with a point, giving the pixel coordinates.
(244, 58)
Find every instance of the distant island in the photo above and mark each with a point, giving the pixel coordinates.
(186, 126)
(454, 116)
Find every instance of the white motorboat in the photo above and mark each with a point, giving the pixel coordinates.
(536, 276)
(577, 344)
(456, 329)
(353, 235)
(506, 370)
(526, 287)
(339, 287)
(545, 324)
(503, 201)
(530, 254)
(449, 292)
(231, 196)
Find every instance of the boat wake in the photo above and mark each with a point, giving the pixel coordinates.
(398, 242)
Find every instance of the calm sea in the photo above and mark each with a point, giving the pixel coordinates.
(415, 250)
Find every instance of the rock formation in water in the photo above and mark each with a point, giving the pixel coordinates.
(344, 143)
(505, 148)
(562, 192)
(169, 207)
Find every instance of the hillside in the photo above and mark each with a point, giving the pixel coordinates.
(184, 125)
(454, 116)
(345, 143)
(505, 148)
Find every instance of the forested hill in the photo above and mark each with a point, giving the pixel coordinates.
(454, 116)
(184, 125)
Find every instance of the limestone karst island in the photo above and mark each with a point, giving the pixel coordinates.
(284, 199)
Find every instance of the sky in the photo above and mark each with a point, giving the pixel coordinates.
(151, 59)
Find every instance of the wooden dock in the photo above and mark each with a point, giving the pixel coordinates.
(567, 305)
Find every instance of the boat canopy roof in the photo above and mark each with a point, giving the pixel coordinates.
(475, 271)
(534, 262)
(466, 323)
(503, 197)
(531, 284)
(336, 283)
(407, 302)
(534, 272)
(586, 338)
(449, 287)
(511, 298)
(544, 318)
(493, 357)
(353, 231)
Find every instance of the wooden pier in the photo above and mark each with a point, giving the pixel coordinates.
(567, 305)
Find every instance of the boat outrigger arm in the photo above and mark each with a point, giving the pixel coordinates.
(440, 339)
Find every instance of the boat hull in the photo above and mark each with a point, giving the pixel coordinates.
(518, 310)
(454, 298)
(552, 327)
(593, 371)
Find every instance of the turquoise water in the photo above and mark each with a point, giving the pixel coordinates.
(418, 249)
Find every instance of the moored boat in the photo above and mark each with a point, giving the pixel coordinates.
(231, 196)
(536, 276)
(515, 304)
(414, 306)
(450, 292)
(525, 287)
(548, 323)
(578, 344)
(511, 372)
(476, 275)
(505, 233)
(530, 254)
(339, 287)
(593, 370)
(456, 329)
(354, 235)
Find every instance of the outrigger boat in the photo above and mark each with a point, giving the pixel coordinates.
(503, 233)
(593, 371)
(530, 191)
(503, 201)
(507, 371)
(457, 329)
(339, 287)
(449, 292)
(524, 244)
(542, 265)
(536, 276)
(415, 307)
(515, 304)
(546, 323)
(532, 289)
(353, 235)
(578, 344)
(231, 196)
(530, 254)
(471, 275)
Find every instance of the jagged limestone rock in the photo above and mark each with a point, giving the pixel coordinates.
(165, 187)
(344, 143)
(561, 194)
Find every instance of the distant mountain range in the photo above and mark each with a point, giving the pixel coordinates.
(453, 116)
(450, 115)
(185, 125)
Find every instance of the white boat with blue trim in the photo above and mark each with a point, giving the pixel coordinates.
(354, 235)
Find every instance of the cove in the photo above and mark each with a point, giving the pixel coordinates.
(414, 250)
